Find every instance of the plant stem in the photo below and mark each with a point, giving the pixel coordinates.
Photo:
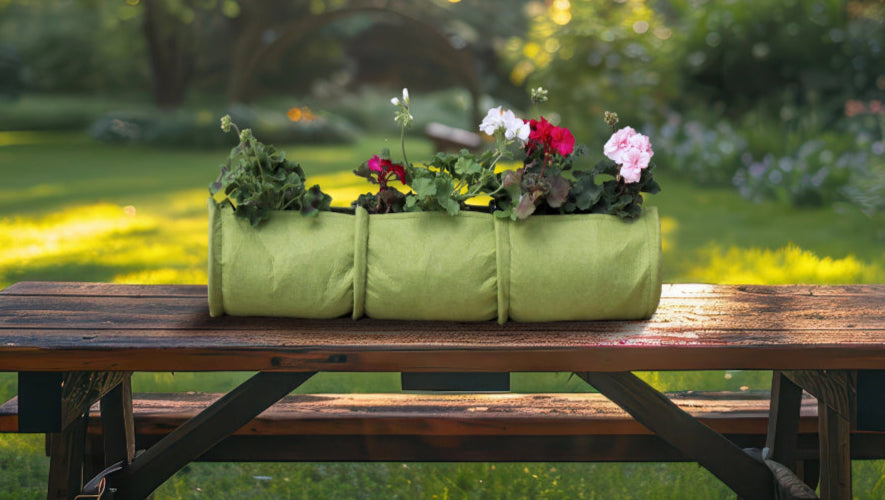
(402, 142)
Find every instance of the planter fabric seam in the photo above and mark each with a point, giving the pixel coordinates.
(502, 261)
(216, 299)
(360, 256)
(655, 263)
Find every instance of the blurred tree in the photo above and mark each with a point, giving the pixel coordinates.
(10, 69)
(779, 54)
(425, 30)
(170, 42)
(595, 56)
(63, 45)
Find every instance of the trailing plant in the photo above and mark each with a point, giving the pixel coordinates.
(258, 178)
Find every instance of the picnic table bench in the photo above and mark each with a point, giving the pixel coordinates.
(77, 343)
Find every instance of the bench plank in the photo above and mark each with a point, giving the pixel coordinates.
(478, 427)
(448, 414)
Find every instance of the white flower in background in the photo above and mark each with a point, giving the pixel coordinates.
(403, 116)
(405, 102)
(503, 119)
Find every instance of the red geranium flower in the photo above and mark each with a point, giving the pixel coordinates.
(386, 169)
(562, 140)
(550, 138)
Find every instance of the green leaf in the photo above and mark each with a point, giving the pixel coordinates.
(444, 186)
(466, 166)
(452, 206)
(424, 187)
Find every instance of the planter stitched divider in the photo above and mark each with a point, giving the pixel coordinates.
(432, 266)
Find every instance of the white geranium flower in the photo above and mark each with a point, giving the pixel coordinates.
(406, 96)
(514, 128)
(493, 120)
(394, 101)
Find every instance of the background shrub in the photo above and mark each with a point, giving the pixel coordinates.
(200, 129)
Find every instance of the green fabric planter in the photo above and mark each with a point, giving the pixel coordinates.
(289, 266)
(431, 266)
(584, 267)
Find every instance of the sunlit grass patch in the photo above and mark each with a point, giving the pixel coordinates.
(163, 276)
(106, 242)
(27, 137)
(668, 229)
(788, 265)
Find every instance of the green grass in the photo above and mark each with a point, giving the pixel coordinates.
(74, 210)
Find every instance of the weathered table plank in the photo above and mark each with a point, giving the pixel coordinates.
(76, 326)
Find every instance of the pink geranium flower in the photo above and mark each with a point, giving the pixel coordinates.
(631, 150)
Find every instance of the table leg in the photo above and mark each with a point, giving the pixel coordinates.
(199, 434)
(741, 472)
(117, 424)
(836, 392)
(66, 460)
(57, 403)
(783, 421)
(835, 454)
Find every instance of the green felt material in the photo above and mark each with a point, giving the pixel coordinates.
(431, 266)
(585, 267)
(291, 265)
(360, 251)
(216, 304)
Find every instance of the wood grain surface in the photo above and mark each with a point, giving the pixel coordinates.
(89, 326)
(450, 414)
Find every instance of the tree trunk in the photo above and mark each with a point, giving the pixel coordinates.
(171, 54)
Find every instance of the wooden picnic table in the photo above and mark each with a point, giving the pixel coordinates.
(76, 343)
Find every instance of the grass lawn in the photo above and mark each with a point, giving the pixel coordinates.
(74, 210)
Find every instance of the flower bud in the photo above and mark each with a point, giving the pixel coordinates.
(611, 119)
(406, 97)
(245, 135)
(225, 123)
(394, 101)
(539, 94)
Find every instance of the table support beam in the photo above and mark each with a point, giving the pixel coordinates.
(836, 392)
(199, 434)
(783, 422)
(742, 473)
(118, 425)
(67, 449)
(835, 454)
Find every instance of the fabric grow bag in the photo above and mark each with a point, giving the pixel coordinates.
(432, 266)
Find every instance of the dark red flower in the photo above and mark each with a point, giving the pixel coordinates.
(549, 138)
(385, 170)
(562, 140)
